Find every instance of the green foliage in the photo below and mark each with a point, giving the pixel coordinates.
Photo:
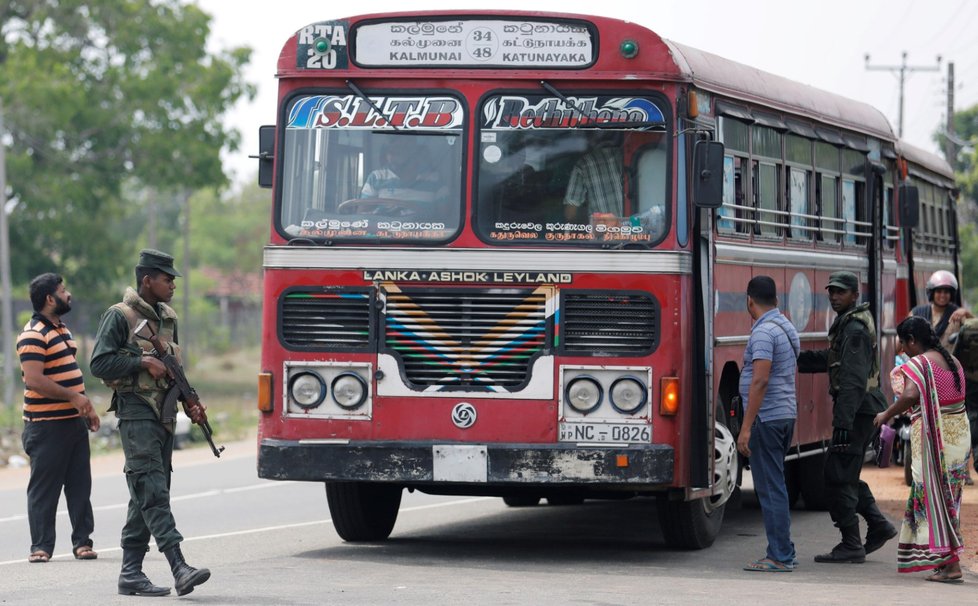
(229, 233)
(102, 98)
(969, 263)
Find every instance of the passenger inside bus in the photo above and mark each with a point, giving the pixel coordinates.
(595, 190)
(509, 182)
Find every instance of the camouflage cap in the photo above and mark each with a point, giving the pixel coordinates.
(844, 279)
(154, 259)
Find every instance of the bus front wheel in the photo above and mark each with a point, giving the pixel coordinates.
(363, 511)
(689, 524)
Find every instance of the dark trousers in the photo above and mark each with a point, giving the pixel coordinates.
(148, 447)
(847, 494)
(60, 458)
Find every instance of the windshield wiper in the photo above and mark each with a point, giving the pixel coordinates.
(356, 90)
(658, 126)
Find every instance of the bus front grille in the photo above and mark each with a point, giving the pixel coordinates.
(321, 320)
(466, 339)
(609, 324)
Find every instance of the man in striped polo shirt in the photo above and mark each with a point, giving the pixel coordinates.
(56, 416)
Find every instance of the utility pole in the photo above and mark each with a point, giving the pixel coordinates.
(902, 70)
(949, 153)
(7, 306)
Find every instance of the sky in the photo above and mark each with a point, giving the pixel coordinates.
(822, 43)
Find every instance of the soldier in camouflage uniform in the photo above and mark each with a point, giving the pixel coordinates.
(139, 381)
(852, 362)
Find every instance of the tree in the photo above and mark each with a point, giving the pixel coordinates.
(100, 94)
(230, 234)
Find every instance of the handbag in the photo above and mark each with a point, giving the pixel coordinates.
(883, 445)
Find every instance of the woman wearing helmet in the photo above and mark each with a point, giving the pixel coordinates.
(944, 316)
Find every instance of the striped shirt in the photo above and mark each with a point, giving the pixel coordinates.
(596, 181)
(54, 346)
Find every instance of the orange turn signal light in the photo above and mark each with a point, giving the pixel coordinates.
(692, 106)
(621, 460)
(669, 396)
(265, 391)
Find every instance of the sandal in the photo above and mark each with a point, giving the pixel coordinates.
(85, 552)
(941, 576)
(768, 565)
(39, 557)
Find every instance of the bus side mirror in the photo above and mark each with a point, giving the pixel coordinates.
(266, 155)
(708, 174)
(909, 200)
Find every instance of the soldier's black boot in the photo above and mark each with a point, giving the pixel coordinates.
(879, 529)
(185, 576)
(850, 550)
(132, 581)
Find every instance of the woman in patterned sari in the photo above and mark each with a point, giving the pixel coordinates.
(931, 386)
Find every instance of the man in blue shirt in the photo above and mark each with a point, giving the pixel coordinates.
(767, 388)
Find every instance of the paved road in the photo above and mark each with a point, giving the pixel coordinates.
(272, 543)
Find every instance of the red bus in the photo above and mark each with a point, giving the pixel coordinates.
(509, 252)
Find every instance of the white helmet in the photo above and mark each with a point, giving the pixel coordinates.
(940, 279)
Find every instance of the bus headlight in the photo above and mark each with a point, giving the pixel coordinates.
(628, 395)
(583, 394)
(307, 389)
(349, 390)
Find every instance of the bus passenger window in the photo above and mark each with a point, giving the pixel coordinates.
(828, 209)
(849, 210)
(768, 214)
(798, 203)
(831, 226)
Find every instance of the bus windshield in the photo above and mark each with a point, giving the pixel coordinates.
(572, 170)
(377, 168)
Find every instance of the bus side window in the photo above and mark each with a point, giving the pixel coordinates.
(799, 203)
(889, 230)
(827, 191)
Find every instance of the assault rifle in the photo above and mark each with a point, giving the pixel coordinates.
(181, 389)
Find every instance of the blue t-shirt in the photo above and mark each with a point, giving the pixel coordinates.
(769, 342)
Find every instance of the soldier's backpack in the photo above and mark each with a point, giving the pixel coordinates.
(966, 345)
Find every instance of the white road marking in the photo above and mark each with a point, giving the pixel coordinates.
(257, 530)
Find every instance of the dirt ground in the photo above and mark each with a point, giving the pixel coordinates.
(891, 494)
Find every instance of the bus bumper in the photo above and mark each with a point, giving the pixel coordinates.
(502, 464)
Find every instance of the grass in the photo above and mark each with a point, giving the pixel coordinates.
(226, 383)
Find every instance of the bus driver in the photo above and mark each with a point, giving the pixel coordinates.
(404, 175)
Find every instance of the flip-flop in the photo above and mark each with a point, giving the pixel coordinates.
(940, 576)
(766, 565)
(85, 552)
(39, 557)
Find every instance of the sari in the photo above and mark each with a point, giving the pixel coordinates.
(940, 439)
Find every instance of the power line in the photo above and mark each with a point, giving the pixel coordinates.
(902, 71)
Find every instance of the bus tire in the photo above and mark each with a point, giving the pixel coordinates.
(812, 482)
(689, 524)
(521, 500)
(363, 511)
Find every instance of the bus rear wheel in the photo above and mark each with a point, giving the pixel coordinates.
(363, 511)
(812, 481)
